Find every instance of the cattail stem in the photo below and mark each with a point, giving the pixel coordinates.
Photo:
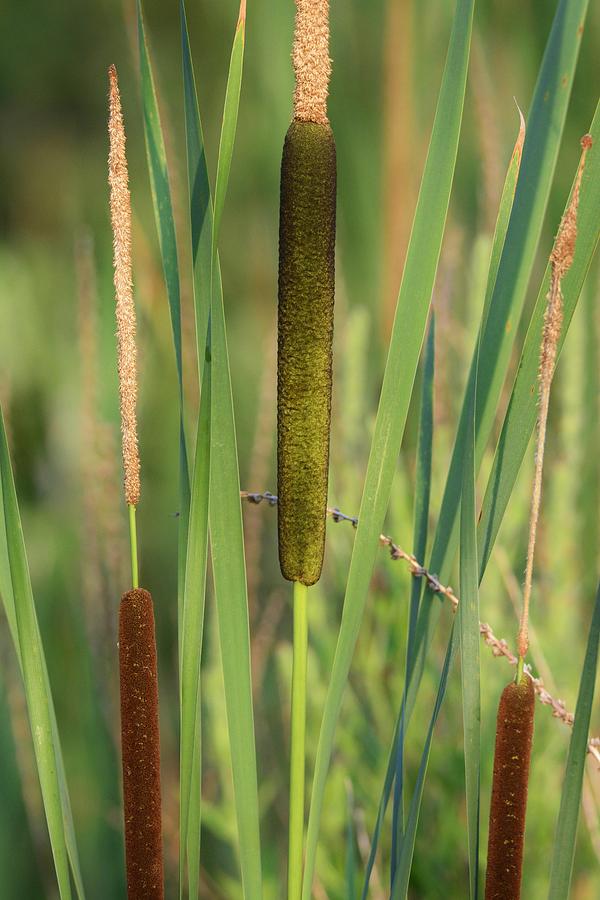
(298, 740)
(140, 747)
(133, 546)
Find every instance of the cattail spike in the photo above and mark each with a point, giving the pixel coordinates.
(312, 65)
(120, 213)
(140, 747)
(514, 735)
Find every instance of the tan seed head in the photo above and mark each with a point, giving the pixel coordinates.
(120, 213)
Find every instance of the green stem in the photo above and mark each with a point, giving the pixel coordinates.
(133, 544)
(520, 666)
(296, 825)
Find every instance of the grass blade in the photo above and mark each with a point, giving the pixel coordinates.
(197, 544)
(400, 885)
(521, 415)
(226, 533)
(35, 676)
(468, 623)
(570, 801)
(421, 521)
(406, 341)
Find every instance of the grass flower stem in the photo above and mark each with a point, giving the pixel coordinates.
(298, 740)
(133, 545)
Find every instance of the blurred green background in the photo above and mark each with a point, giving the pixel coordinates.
(58, 391)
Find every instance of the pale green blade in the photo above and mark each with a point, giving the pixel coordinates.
(420, 531)
(521, 415)
(570, 801)
(35, 678)
(405, 346)
(226, 533)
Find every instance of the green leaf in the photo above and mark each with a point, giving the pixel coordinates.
(570, 801)
(468, 622)
(407, 338)
(400, 883)
(421, 523)
(40, 707)
(197, 544)
(521, 415)
(226, 532)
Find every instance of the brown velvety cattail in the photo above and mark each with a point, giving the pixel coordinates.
(140, 747)
(514, 735)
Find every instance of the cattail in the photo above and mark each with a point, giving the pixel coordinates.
(306, 295)
(140, 747)
(561, 259)
(138, 670)
(120, 214)
(514, 734)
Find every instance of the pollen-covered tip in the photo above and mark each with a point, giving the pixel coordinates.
(514, 735)
(120, 214)
(140, 747)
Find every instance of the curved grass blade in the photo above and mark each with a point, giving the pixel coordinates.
(400, 885)
(468, 623)
(407, 338)
(421, 521)
(544, 130)
(225, 516)
(35, 678)
(521, 415)
(570, 801)
(506, 203)
(197, 544)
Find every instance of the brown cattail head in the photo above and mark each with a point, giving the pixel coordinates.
(561, 259)
(514, 735)
(312, 65)
(140, 747)
(120, 213)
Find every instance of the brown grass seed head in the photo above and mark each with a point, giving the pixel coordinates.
(310, 57)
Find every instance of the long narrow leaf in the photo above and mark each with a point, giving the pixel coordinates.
(35, 676)
(226, 532)
(570, 801)
(197, 545)
(407, 338)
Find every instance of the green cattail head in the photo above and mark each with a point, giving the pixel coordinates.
(140, 747)
(305, 333)
(514, 734)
